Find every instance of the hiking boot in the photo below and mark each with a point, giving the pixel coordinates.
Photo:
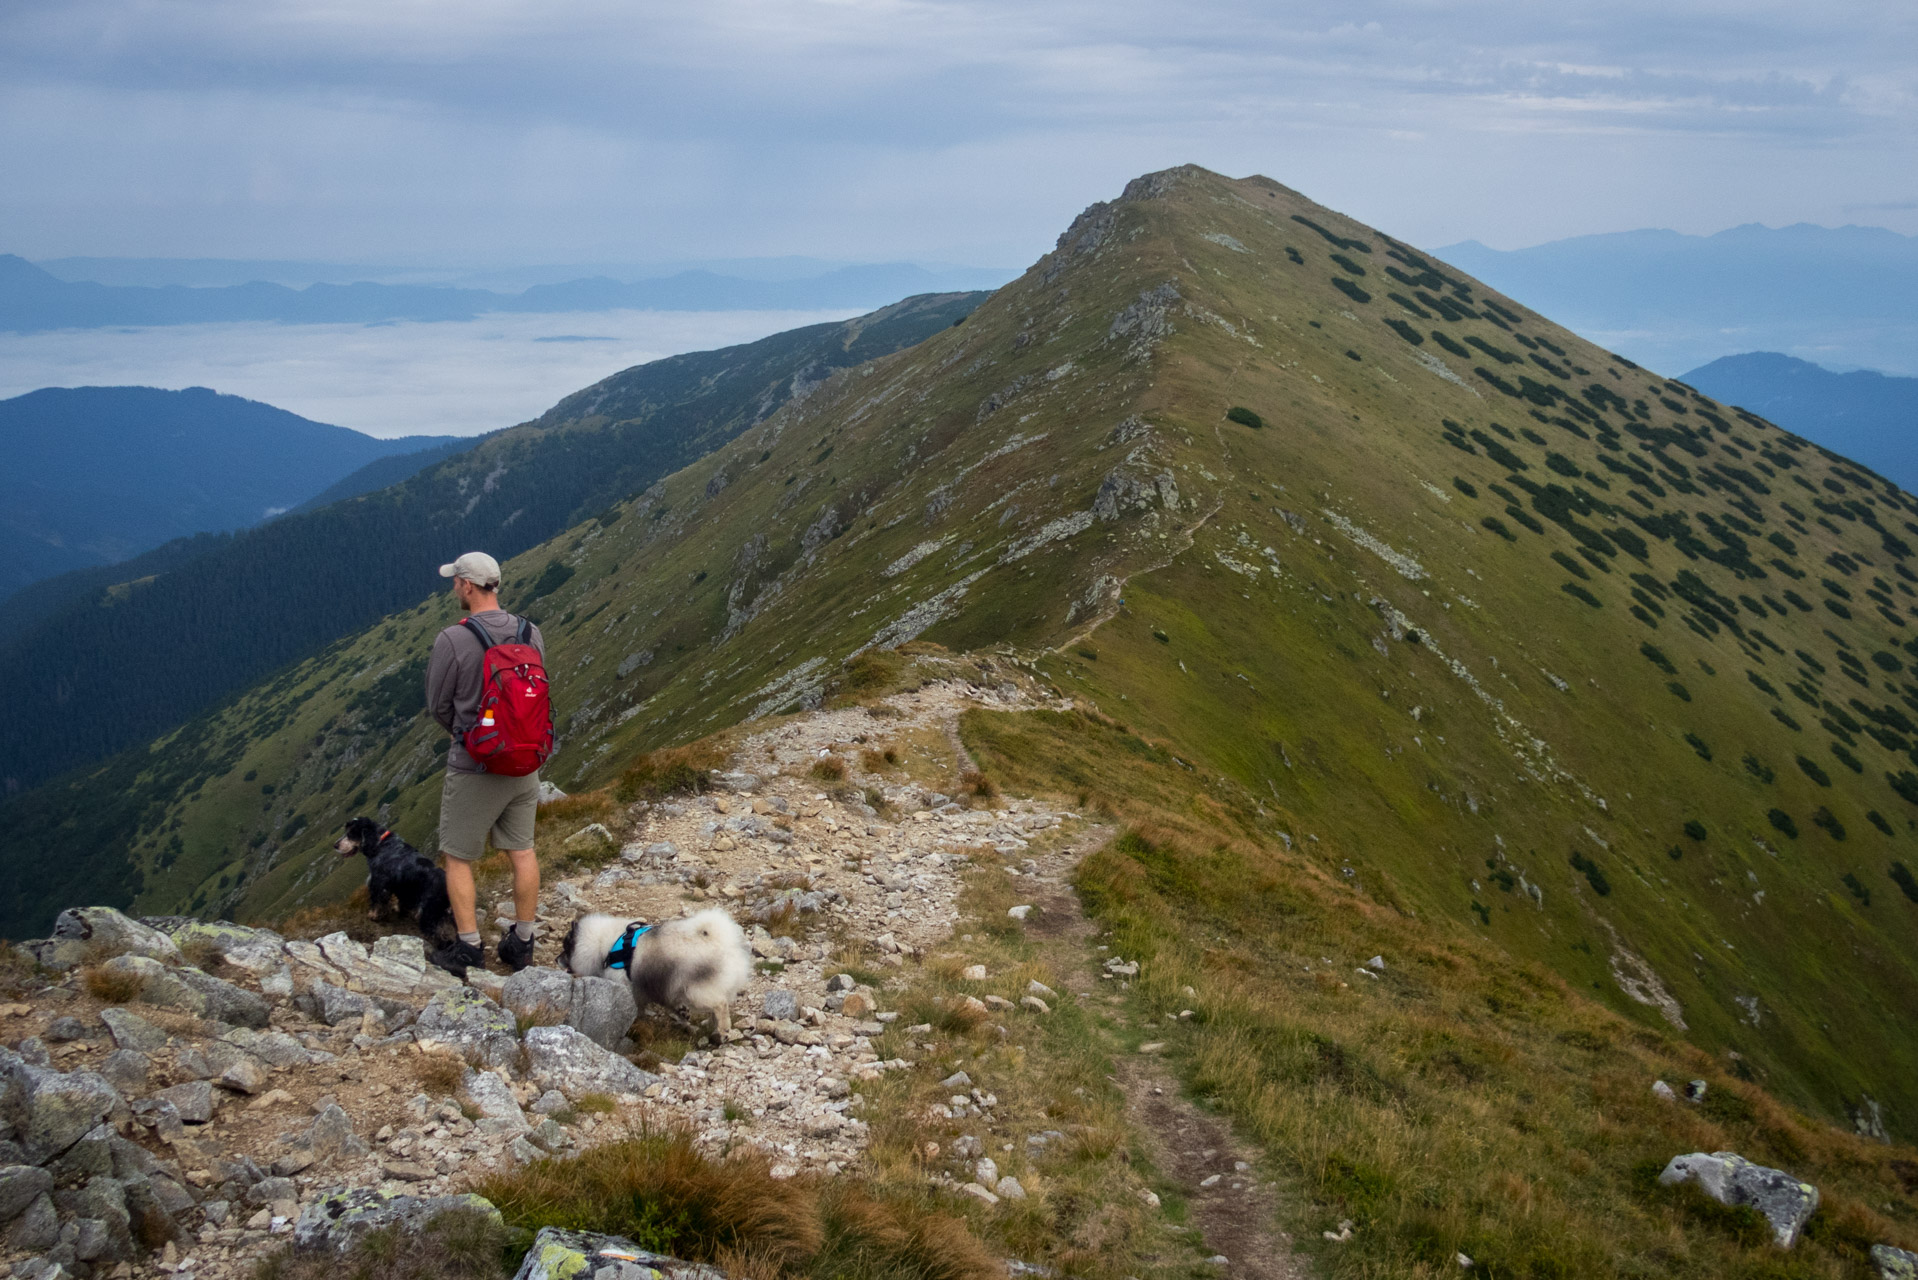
(457, 957)
(515, 952)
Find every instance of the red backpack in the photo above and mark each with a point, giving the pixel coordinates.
(514, 732)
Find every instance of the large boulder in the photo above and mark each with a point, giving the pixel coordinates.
(130, 1031)
(469, 1024)
(489, 1092)
(258, 951)
(601, 1009)
(562, 1058)
(331, 1134)
(20, 1186)
(1731, 1179)
(107, 932)
(335, 1222)
(581, 1255)
(202, 994)
(394, 966)
(1894, 1264)
(51, 1110)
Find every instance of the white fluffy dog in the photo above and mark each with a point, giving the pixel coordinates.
(700, 961)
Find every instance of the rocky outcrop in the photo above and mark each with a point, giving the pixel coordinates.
(562, 1058)
(601, 1009)
(335, 1223)
(564, 1255)
(1730, 1179)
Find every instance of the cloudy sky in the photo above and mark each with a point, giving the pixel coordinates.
(488, 132)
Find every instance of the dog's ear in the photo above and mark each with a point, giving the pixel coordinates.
(566, 946)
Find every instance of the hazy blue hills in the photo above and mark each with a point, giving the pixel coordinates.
(33, 299)
(1839, 296)
(98, 474)
(1863, 415)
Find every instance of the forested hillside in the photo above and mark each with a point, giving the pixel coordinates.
(97, 474)
(86, 684)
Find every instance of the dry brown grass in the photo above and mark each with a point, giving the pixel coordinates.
(346, 916)
(112, 986)
(670, 769)
(978, 786)
(828, 769)
(657, 1190)
(439, 1074)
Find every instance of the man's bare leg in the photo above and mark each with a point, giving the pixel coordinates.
(460, 892)
(525, 886)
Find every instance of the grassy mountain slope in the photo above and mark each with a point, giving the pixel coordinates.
(85, 682)
(1497, 630)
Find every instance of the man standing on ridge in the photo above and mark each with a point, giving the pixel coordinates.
(477, 802)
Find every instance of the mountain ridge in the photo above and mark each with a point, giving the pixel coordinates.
(1462, 613)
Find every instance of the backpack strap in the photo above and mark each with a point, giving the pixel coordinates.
(472, 625)
(525, 631)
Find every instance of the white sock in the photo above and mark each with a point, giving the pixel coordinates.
(524, 929)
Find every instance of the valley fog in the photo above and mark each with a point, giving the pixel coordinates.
(405, 378)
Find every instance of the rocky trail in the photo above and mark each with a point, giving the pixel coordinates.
(180, 1097)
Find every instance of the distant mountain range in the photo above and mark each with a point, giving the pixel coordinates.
(1843, 296)
(98, 474)
(33, 299)
(1863, 415)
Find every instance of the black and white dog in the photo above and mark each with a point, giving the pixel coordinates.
(701, 961)
(396, 870)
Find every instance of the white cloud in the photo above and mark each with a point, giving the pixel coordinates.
(502, 129)
(386, 380)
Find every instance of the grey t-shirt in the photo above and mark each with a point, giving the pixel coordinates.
(453, 676)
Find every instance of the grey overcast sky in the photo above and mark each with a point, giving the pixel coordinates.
(488, 132)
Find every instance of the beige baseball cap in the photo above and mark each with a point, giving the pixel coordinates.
(476, 567)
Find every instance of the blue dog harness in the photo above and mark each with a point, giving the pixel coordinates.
(621, 956)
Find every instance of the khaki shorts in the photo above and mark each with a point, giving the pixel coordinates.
(476, 805)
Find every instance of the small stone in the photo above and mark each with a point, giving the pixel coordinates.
(973, 973)
(840, 982)
(1009, 1188)
(957, 1080)
(1040, 989)
(1151, 1199)
(405, 1170)
(549, 1102)
(1020, 912)
(1695, 1091)
(857, 1005)
(244, 1076)
(64, 1029)
(1376, 963)
(780, 1005)
(979, 1193)
(1035, 1004)
(1663, 1091)
(1464, 1261)
(1152, 1046)
(194, 1101)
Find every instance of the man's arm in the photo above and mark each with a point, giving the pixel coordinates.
(442, 679)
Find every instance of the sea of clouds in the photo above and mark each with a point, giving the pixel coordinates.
(397, 379)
